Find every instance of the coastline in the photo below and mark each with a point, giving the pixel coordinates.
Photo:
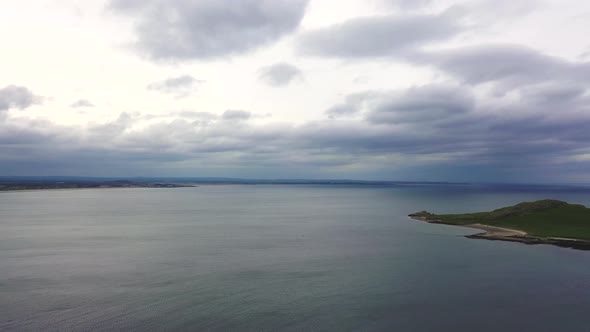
(493, 233)
(57, 188)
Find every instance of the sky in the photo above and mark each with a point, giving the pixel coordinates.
(416, 90)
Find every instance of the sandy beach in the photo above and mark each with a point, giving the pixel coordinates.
(493, 231)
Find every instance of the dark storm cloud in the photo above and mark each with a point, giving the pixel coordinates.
(180, 86)
(82, 103)
(205, 29)
(379, 36)
(18, 97)
(279, 74)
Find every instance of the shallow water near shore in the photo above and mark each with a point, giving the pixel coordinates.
(280, 257)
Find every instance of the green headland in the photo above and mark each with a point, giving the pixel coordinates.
(541, 222)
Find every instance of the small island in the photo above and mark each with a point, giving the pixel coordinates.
(542, 222)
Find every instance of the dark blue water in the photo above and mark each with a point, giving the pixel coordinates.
(267, 258)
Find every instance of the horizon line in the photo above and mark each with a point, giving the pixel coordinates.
(321, 180)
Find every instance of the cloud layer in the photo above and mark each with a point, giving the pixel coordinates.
(380, 36)
(206, 29)
(424, 126)
(18, 97)
(447, 93)
(512, 65)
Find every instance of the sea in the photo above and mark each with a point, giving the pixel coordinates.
(281, 258)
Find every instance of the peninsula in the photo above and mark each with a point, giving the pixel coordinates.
(542, 222)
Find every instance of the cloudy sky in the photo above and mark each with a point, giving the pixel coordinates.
(464, 90)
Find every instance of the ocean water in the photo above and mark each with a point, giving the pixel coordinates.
(279, 258)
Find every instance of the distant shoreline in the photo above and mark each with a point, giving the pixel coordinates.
(42, 186)
(89, 188)
(493, 233)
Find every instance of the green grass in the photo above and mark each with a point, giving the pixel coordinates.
(547, 218)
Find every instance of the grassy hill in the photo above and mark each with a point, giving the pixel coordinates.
(543, 219)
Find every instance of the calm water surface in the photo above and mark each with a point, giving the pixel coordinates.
(267, 258)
